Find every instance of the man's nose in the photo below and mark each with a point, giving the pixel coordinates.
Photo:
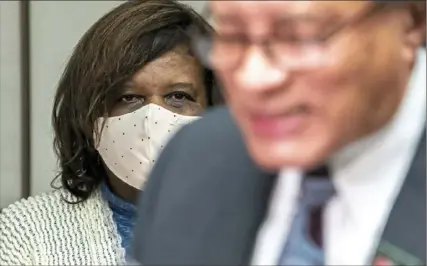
(258, 73)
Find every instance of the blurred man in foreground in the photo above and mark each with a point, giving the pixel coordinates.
(319, 158)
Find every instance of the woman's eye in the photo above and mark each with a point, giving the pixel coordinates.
(180, 96)
(131, 99)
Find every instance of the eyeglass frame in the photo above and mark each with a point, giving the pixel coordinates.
(375, 8)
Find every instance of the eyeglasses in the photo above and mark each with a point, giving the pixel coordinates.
(227, 53)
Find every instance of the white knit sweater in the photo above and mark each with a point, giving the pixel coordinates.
(45, 230)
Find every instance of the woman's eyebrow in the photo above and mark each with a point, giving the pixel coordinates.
(128, 84)
(181, 85)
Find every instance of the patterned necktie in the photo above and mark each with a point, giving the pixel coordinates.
(304, 242)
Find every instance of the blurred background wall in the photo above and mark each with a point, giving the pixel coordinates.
(36, 39)
(10, 103)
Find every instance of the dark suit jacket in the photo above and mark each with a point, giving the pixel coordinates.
(206, 200)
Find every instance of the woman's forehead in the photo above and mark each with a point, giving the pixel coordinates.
(175, 65)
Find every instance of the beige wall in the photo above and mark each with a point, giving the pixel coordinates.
(10, 103)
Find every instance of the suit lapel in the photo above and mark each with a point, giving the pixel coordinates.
(403, 240)
(239, 208)
(234, 204)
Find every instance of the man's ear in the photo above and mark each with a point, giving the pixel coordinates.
(417, 32)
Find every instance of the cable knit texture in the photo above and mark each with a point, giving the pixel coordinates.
(45, 230)
(123, 215)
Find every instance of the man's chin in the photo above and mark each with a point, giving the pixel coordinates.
(275, 157)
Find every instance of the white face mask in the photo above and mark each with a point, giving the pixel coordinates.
(130, 143)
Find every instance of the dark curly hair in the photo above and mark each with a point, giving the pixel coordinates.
(110, 53)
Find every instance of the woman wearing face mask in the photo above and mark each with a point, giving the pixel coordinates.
(130, 83)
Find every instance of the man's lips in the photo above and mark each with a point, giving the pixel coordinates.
(279, 126)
